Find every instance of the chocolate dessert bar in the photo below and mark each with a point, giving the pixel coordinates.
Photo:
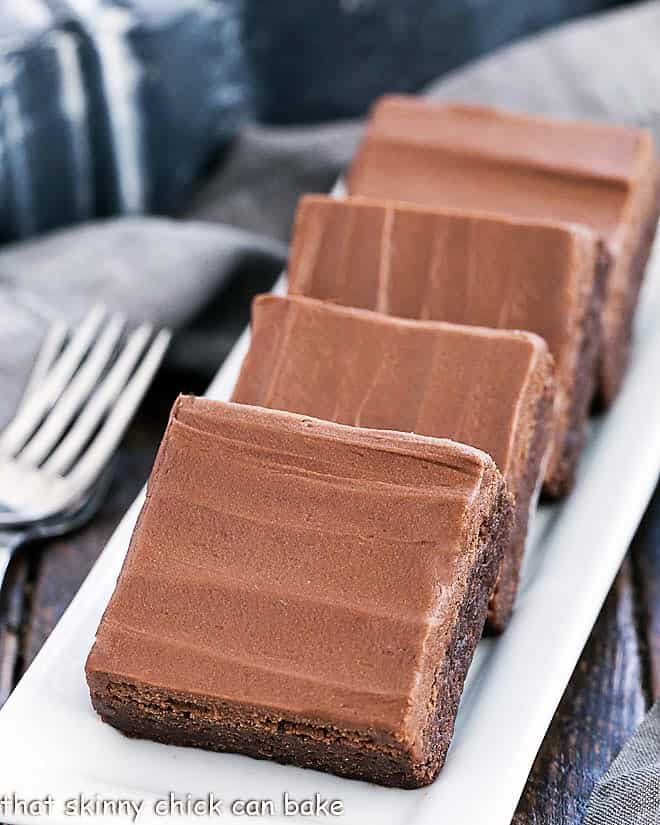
(467, 268)
(302, 591)
(470, 157)
(487, 388)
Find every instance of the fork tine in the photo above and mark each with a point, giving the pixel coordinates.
(97, 455)
(74, 396)
(50, 349)
(104, 396)
(42, 398)
(111, 388)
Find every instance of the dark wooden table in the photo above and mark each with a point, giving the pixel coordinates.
(616, 680)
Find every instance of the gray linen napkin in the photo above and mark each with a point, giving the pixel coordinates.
(173, 272)
(605, 67)
(169, 272)
(629, 793)
(268, 169)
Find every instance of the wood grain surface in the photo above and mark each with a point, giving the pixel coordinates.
(601, 708)
(645, 557)
(615, 681)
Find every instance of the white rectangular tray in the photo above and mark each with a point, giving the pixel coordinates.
(51, 741)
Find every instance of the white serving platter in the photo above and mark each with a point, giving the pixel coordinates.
(51, 741)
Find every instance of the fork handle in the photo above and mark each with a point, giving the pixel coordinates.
(9, 544)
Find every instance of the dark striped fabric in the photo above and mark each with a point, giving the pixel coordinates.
(111, 107)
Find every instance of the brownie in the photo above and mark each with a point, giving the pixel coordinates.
(487, 388)
(302, 591)
(467, 268)
(470, 157)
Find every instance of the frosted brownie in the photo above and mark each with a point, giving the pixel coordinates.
(467, 268)
(598, 175)
(487, 388)
(302, 591)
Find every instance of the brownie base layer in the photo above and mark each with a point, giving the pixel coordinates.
(501, 604)
(613, 368)
(151, 712)
(561, 481)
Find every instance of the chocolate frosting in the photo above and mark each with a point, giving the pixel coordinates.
(471, 157)
(488, 388)
(286, 563)
(462, 267)
(351, 366)
(477, 157)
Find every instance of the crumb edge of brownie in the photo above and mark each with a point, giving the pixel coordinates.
(501, 605)
(560, 483)
(612, 367)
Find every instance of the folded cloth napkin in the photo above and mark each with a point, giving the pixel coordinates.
(111, 106)
(268, 169)
(605, 67)
(629, 793)
(174, 272)
(166, 271)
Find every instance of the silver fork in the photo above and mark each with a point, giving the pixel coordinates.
(80, 398)
(11, 541)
